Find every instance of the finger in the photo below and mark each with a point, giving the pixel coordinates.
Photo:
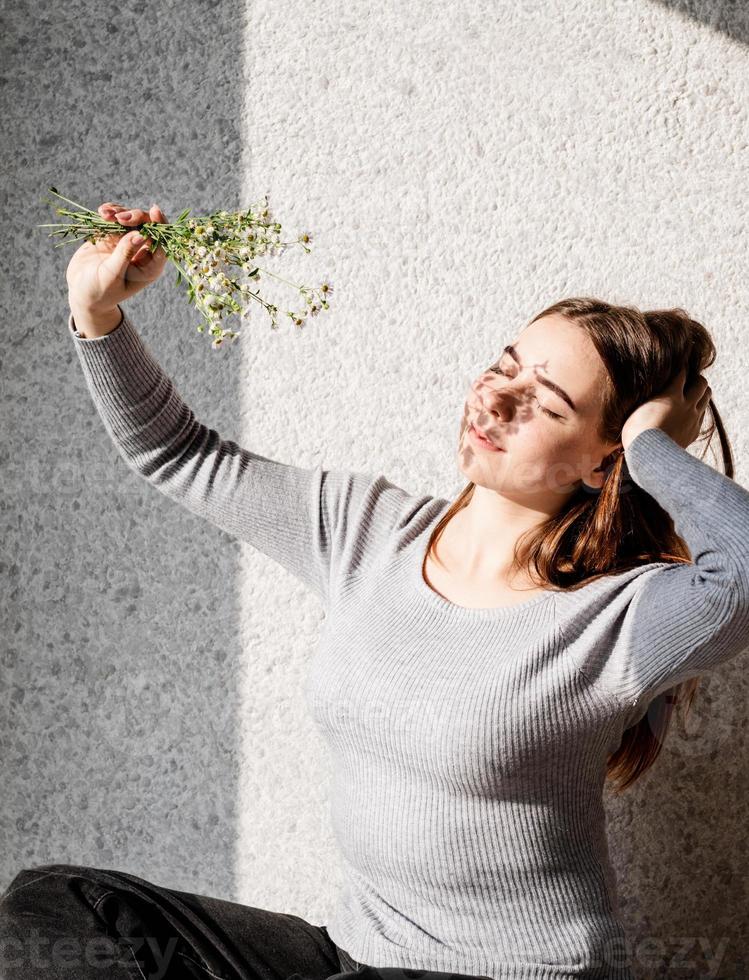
(156, 214)
(120, 258)
(142, 254)
(158, 255)
(147, 257)
(705, 397)
(161, 217)
(107, 210)
(136, 216)
(673, 386)
(698, 386)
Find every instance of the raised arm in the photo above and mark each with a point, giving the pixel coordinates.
(299, 517)
(682, 619)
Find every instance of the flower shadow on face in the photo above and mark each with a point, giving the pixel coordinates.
(485, 392)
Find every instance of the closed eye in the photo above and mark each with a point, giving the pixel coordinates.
(497, 370)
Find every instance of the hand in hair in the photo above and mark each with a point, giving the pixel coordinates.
(676, 410)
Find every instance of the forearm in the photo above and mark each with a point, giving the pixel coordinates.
(710, 510)
(276, 507)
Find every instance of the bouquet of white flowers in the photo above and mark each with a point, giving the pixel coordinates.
(204, 249)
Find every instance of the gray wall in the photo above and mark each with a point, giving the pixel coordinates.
(459, 166)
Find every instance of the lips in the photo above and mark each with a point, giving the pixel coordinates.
(483, 435)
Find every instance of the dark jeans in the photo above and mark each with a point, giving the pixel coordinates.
(83, 923)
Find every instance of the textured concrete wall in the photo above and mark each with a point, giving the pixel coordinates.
(460, 166)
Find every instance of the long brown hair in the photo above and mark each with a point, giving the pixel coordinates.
(622, 526)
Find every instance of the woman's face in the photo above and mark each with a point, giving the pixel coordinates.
(547, 431)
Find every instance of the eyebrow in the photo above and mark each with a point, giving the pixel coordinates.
(546, 382)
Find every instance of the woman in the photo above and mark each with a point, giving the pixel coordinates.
(484, 665)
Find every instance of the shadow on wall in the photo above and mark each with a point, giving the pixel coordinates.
(727, 16)
(121, 645)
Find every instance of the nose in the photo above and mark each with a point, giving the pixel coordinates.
(498, 402)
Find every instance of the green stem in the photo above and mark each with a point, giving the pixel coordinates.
(267, 273)
(71, 241)
(174, 262)
(88, 210)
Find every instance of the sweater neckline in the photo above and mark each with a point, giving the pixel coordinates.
(428, 594)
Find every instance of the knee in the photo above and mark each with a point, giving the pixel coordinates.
(43, 904)
(24, 876)
(29, 885)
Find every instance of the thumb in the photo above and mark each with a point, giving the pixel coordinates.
(117, 262)
(678, 383)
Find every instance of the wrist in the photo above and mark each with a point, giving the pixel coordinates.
(95, 323)
(629, 435)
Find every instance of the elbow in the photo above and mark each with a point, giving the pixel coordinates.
(738, 582)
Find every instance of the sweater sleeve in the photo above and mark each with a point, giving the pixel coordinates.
(683, 619)
(299, 517)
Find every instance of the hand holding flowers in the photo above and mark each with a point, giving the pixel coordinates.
(115, 262)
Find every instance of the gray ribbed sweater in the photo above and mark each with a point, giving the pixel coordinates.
(468, 745)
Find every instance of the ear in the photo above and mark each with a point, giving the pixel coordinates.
(596, 477)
